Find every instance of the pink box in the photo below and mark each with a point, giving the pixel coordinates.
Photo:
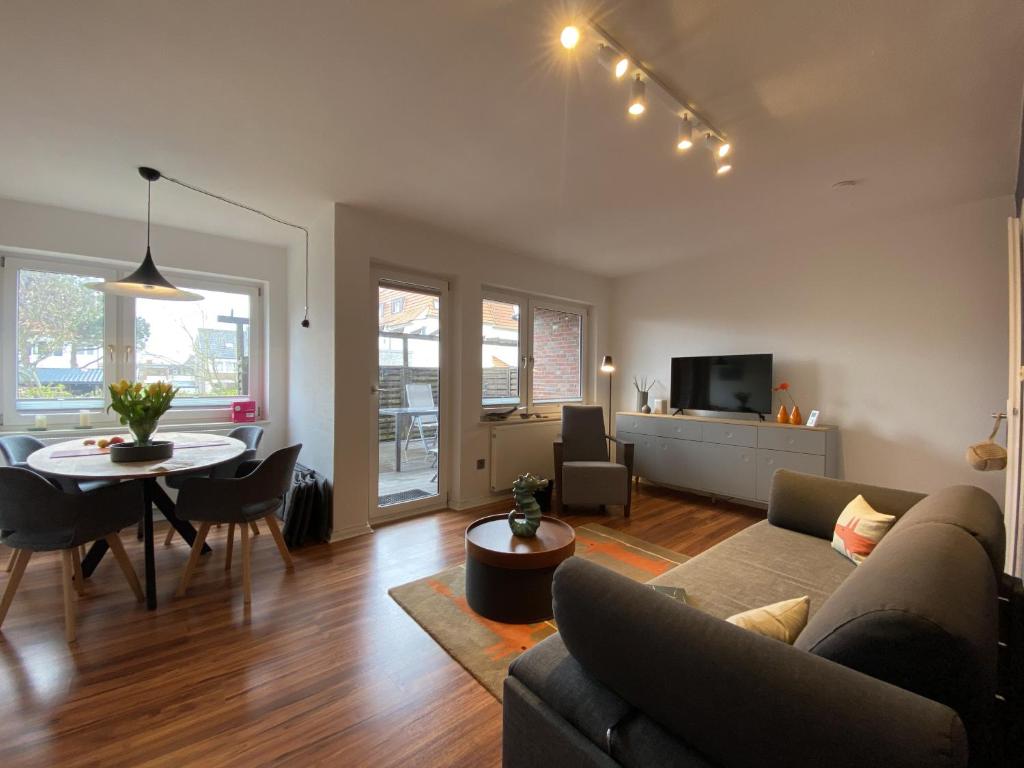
(243, 410)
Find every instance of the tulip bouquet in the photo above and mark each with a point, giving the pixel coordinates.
(140, 406)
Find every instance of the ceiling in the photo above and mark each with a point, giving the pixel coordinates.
(467, 114)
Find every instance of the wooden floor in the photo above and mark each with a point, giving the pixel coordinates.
(325, 669)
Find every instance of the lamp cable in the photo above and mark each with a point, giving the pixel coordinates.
(264, 214)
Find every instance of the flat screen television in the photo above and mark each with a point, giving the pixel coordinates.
(730, 383)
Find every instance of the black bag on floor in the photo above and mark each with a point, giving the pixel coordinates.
(308, 510)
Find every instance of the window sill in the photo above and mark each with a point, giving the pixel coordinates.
(69, 432)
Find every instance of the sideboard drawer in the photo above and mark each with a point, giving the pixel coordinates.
(770, 461)
(791, 439)
(636, 425)
(681, 429)
(729, 434)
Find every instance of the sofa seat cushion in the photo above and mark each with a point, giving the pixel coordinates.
(593, 483)
(762, 564)
(555, 676)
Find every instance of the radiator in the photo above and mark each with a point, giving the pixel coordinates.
(520, 448)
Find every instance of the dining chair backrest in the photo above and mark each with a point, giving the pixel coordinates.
(249, 434)
(17, 448)
(42, 516)
(419, 395)
(223, 500)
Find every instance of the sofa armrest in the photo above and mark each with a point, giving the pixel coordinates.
(739, 698)
(556, 493)
(812, 504)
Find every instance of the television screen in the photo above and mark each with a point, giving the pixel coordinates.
(732, 383)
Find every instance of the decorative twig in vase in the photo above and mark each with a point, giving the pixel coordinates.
(793, 416)
(643, 393)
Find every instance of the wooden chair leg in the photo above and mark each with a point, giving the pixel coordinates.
(275, 531)
(117, 548)
(170, 536)
(254, 528)
(230, 546)
(193, 558)
(10, 561)
(246, 565)
(21, 557)
(76, 561)
(67, 567)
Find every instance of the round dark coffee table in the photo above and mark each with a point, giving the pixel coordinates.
(508, 578)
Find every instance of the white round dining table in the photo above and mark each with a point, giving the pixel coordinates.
(194, 452)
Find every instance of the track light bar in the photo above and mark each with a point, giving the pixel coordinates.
(611, 54)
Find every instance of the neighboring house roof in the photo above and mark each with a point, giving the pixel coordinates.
(500, 314)
(69, 375)
(414, 306)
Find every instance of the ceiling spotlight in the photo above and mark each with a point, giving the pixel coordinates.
(722, 166)
(613, 61)
(570, 37)
(685, 140)
(638, 98)
(716, 145)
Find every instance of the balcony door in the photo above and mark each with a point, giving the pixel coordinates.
(409, 433)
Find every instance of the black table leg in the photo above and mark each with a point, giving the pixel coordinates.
(147, 527)
(166, 506)
(93, 556)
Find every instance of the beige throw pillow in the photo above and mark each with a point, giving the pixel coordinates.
(780, 621)
(859, 529)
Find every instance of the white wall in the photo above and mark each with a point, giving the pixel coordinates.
(310, 361)
(364, 238)
(895, 330)
(74, 233)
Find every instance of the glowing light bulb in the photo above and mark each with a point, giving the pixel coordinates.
(570, 37)
(685, 138)
(638, 98)
(722, 167)
(620, 67)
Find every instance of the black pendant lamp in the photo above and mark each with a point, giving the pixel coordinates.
(146, 282)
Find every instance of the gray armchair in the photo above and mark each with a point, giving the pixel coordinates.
(585, 476)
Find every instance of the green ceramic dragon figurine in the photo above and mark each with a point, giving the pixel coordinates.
(522, 490)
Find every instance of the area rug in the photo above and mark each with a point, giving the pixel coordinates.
(486, 648)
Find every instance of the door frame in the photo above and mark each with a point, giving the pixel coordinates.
(412, 281)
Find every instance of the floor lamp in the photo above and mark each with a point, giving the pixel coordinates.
(607, 366)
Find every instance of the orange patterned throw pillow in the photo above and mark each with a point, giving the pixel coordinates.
(859, 529)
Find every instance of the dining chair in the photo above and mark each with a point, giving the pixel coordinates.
(251, 435)
(17, 448)
(420, 396)
(257, 494)
(37, 517)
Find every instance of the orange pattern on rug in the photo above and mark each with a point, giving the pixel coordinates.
(485, 647)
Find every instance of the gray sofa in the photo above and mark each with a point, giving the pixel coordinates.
(896, 667)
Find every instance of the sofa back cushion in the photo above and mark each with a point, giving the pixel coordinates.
(919, 613)
(969, 508)
(811, 505)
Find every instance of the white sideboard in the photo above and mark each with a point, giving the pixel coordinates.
(732, 458)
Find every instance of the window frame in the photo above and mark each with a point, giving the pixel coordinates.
(118, 341)
(528, 304)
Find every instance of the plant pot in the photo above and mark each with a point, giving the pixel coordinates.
(783, 415)
(157, 450)
(641, 402)
(795, 417)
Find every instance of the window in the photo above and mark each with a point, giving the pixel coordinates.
(500, 353)
(200, 347)
(63, 343)
(534, 358)
(397, 305)
(58, 355)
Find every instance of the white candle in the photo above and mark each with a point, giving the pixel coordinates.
(83, 419)
(40, 422)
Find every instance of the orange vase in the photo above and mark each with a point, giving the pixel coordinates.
(783, 415)
(795, 417)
